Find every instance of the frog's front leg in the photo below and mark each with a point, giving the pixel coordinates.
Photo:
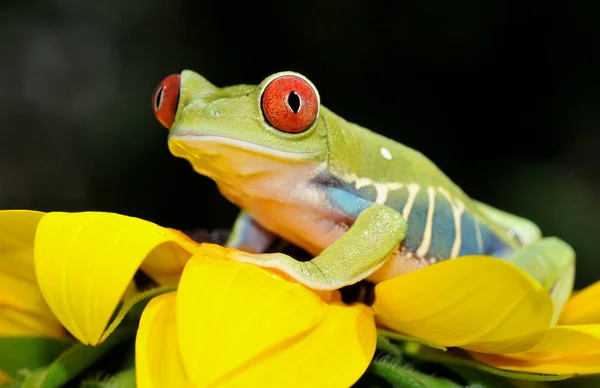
(248, 235)
(376, 232)
(552, 262)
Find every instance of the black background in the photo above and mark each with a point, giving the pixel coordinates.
(503, 96)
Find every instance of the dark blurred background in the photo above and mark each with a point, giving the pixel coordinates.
(503, 96)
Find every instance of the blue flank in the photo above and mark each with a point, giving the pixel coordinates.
(469, 235)
(347, 202)
(351, 202)
(492, 245)
(443, 231)
(416, 221)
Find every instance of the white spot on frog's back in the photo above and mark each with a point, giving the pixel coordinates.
(385, 153)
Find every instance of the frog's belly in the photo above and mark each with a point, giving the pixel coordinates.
(313, 232)
(290, 208)
(308, 223)
(304, 227)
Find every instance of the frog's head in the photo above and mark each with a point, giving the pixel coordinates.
(244, 129)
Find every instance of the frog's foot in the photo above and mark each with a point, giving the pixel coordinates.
(552, 262)
(362, 250)
(303, 272)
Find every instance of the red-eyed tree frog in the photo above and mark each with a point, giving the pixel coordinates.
(365, 206)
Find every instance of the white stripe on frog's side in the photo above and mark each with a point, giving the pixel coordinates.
(413, 190)
(382, 189)
(478, 234)
(458, 209)
(457, 206)
(423, 248)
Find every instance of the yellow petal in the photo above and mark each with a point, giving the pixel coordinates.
(230, 313)
(334, 354)
(85, 262)
(157, 358)
(562, 342)
(23, 310)
(17, 229)
(476, 302)
(562, 350)
(168, 272)
(587, 364)
(15, 322)
(582, 307)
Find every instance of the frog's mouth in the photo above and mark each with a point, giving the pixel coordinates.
(225, 159)
(208, 144)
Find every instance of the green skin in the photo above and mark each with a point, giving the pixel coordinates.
(354, 232)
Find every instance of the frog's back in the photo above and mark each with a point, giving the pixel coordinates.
(443, 222)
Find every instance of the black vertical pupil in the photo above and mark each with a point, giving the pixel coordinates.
(158, 99)
(294, 101)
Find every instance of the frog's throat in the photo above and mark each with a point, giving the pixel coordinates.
(245, 171)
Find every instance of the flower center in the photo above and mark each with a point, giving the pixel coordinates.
(361, 292)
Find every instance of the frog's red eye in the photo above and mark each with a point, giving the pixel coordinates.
(290, 104)
(165, 100)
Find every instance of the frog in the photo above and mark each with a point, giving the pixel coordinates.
(364, 206)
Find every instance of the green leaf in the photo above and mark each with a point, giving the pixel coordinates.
(134, 306)
(397, 375)
(33, 379)
(79, 357)
(458, 357)
(30, 353)
(386, 346)
(479, 378)
(92, 384)
(438, 382)
(404, 338)
(405, 376)
(590, 381)
(122, 379)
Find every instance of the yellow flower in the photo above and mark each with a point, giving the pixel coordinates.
(237, 324)
(23, 310)
(571, 347)
(228, 322)
(496, 312)
(231, 322)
